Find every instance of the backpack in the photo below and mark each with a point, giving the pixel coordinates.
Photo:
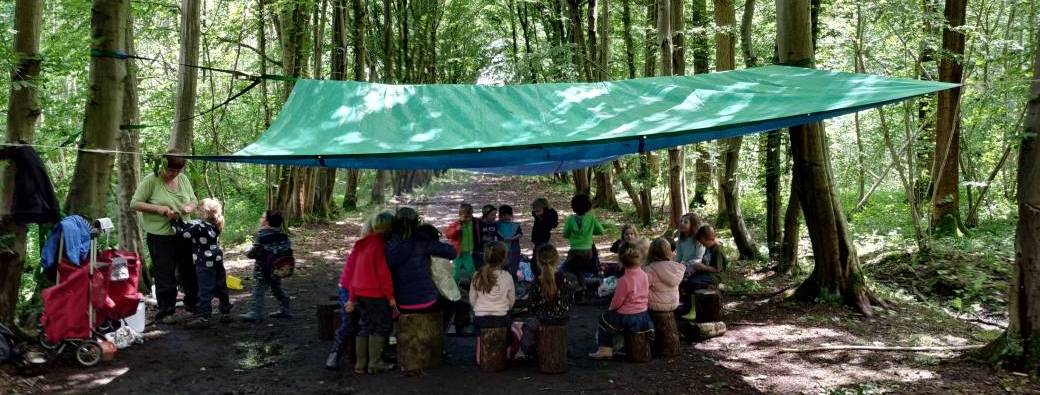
(282, 266)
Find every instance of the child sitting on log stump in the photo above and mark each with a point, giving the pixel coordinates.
(545, 220)
(628, 308)
(704, 272)
(492, 292)
(548, 306)
(664, 275)
(371, 295)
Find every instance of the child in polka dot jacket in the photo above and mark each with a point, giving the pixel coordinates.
(209, 260)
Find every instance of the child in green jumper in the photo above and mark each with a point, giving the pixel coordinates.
(579, 229)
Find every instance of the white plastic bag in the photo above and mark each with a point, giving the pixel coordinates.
(442, 277)
(607, 287)
(124, 337)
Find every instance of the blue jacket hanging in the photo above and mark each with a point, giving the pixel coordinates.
(76, 232)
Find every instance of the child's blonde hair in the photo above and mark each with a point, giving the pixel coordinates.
(629, 255)
(210, 210)
(494, 257)
(547, 258)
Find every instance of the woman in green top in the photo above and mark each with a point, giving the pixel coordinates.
(160, 198)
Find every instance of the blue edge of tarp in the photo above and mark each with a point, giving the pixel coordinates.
(578, 155)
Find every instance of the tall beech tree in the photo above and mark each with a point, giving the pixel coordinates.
(836, 273)
(1020, 344)
(187, 77)
(359, 13)
(946, 218)
(729, 186)
(23, 110)
(92, 179)
(129, 158)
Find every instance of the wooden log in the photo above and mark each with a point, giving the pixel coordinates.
(637, 347)
(708, 330)
(666, 339)
(494, 355)
(552, 349)
(709, 305)
(420, 341)
(328, 320)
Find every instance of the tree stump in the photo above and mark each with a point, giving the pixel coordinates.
(666, 339)
(494, 354)
(709, 305)
(637, 347)
(328, 320)
(552, 349)
(708, 330)
(420, 341)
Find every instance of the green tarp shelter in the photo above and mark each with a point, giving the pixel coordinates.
(547, 128)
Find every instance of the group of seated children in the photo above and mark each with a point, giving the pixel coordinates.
(486, 253)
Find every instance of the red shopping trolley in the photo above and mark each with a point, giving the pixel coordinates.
(89, 301)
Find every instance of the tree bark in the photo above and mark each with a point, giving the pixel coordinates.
(945, 167)
(359, 11)
(729, 187)
(700, 47)
(677, 204)
(836, 273)
(788, 260)
(295, 189)
(1020, 344)
(23, 110)
(326, 178)
(129, 160)
(92, 179)
(187, 77)
(581, 182)
(650, 50)
(630, 52)
(581, 53)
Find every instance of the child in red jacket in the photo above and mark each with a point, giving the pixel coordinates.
(371, 294)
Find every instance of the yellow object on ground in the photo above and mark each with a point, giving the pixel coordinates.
(234, 283)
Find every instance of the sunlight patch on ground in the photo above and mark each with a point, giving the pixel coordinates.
(92, 379)
(757, 348)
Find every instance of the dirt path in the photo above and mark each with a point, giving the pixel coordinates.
(285, 356)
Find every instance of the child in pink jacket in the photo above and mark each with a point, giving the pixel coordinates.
(628, 308)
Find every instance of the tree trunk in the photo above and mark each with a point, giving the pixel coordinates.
(581, 182)
(605, 197)
(945, 167)
(772, 170)
(630, 52)
(326, 178)
(92, 179)
(701, 54)
(729, 186)
(746, 23)
(648, 176)
(359, 11)
(677, 204)
(187, 77)
(836, 273)
(581, 53)
(650, 50)
(1020, 344)
(295, 189)
(626, 183)
(379, 187)
(678, 29)
(129, 161)
(788, 260)
(22, 112)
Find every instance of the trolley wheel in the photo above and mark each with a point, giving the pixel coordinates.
(88, 353)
